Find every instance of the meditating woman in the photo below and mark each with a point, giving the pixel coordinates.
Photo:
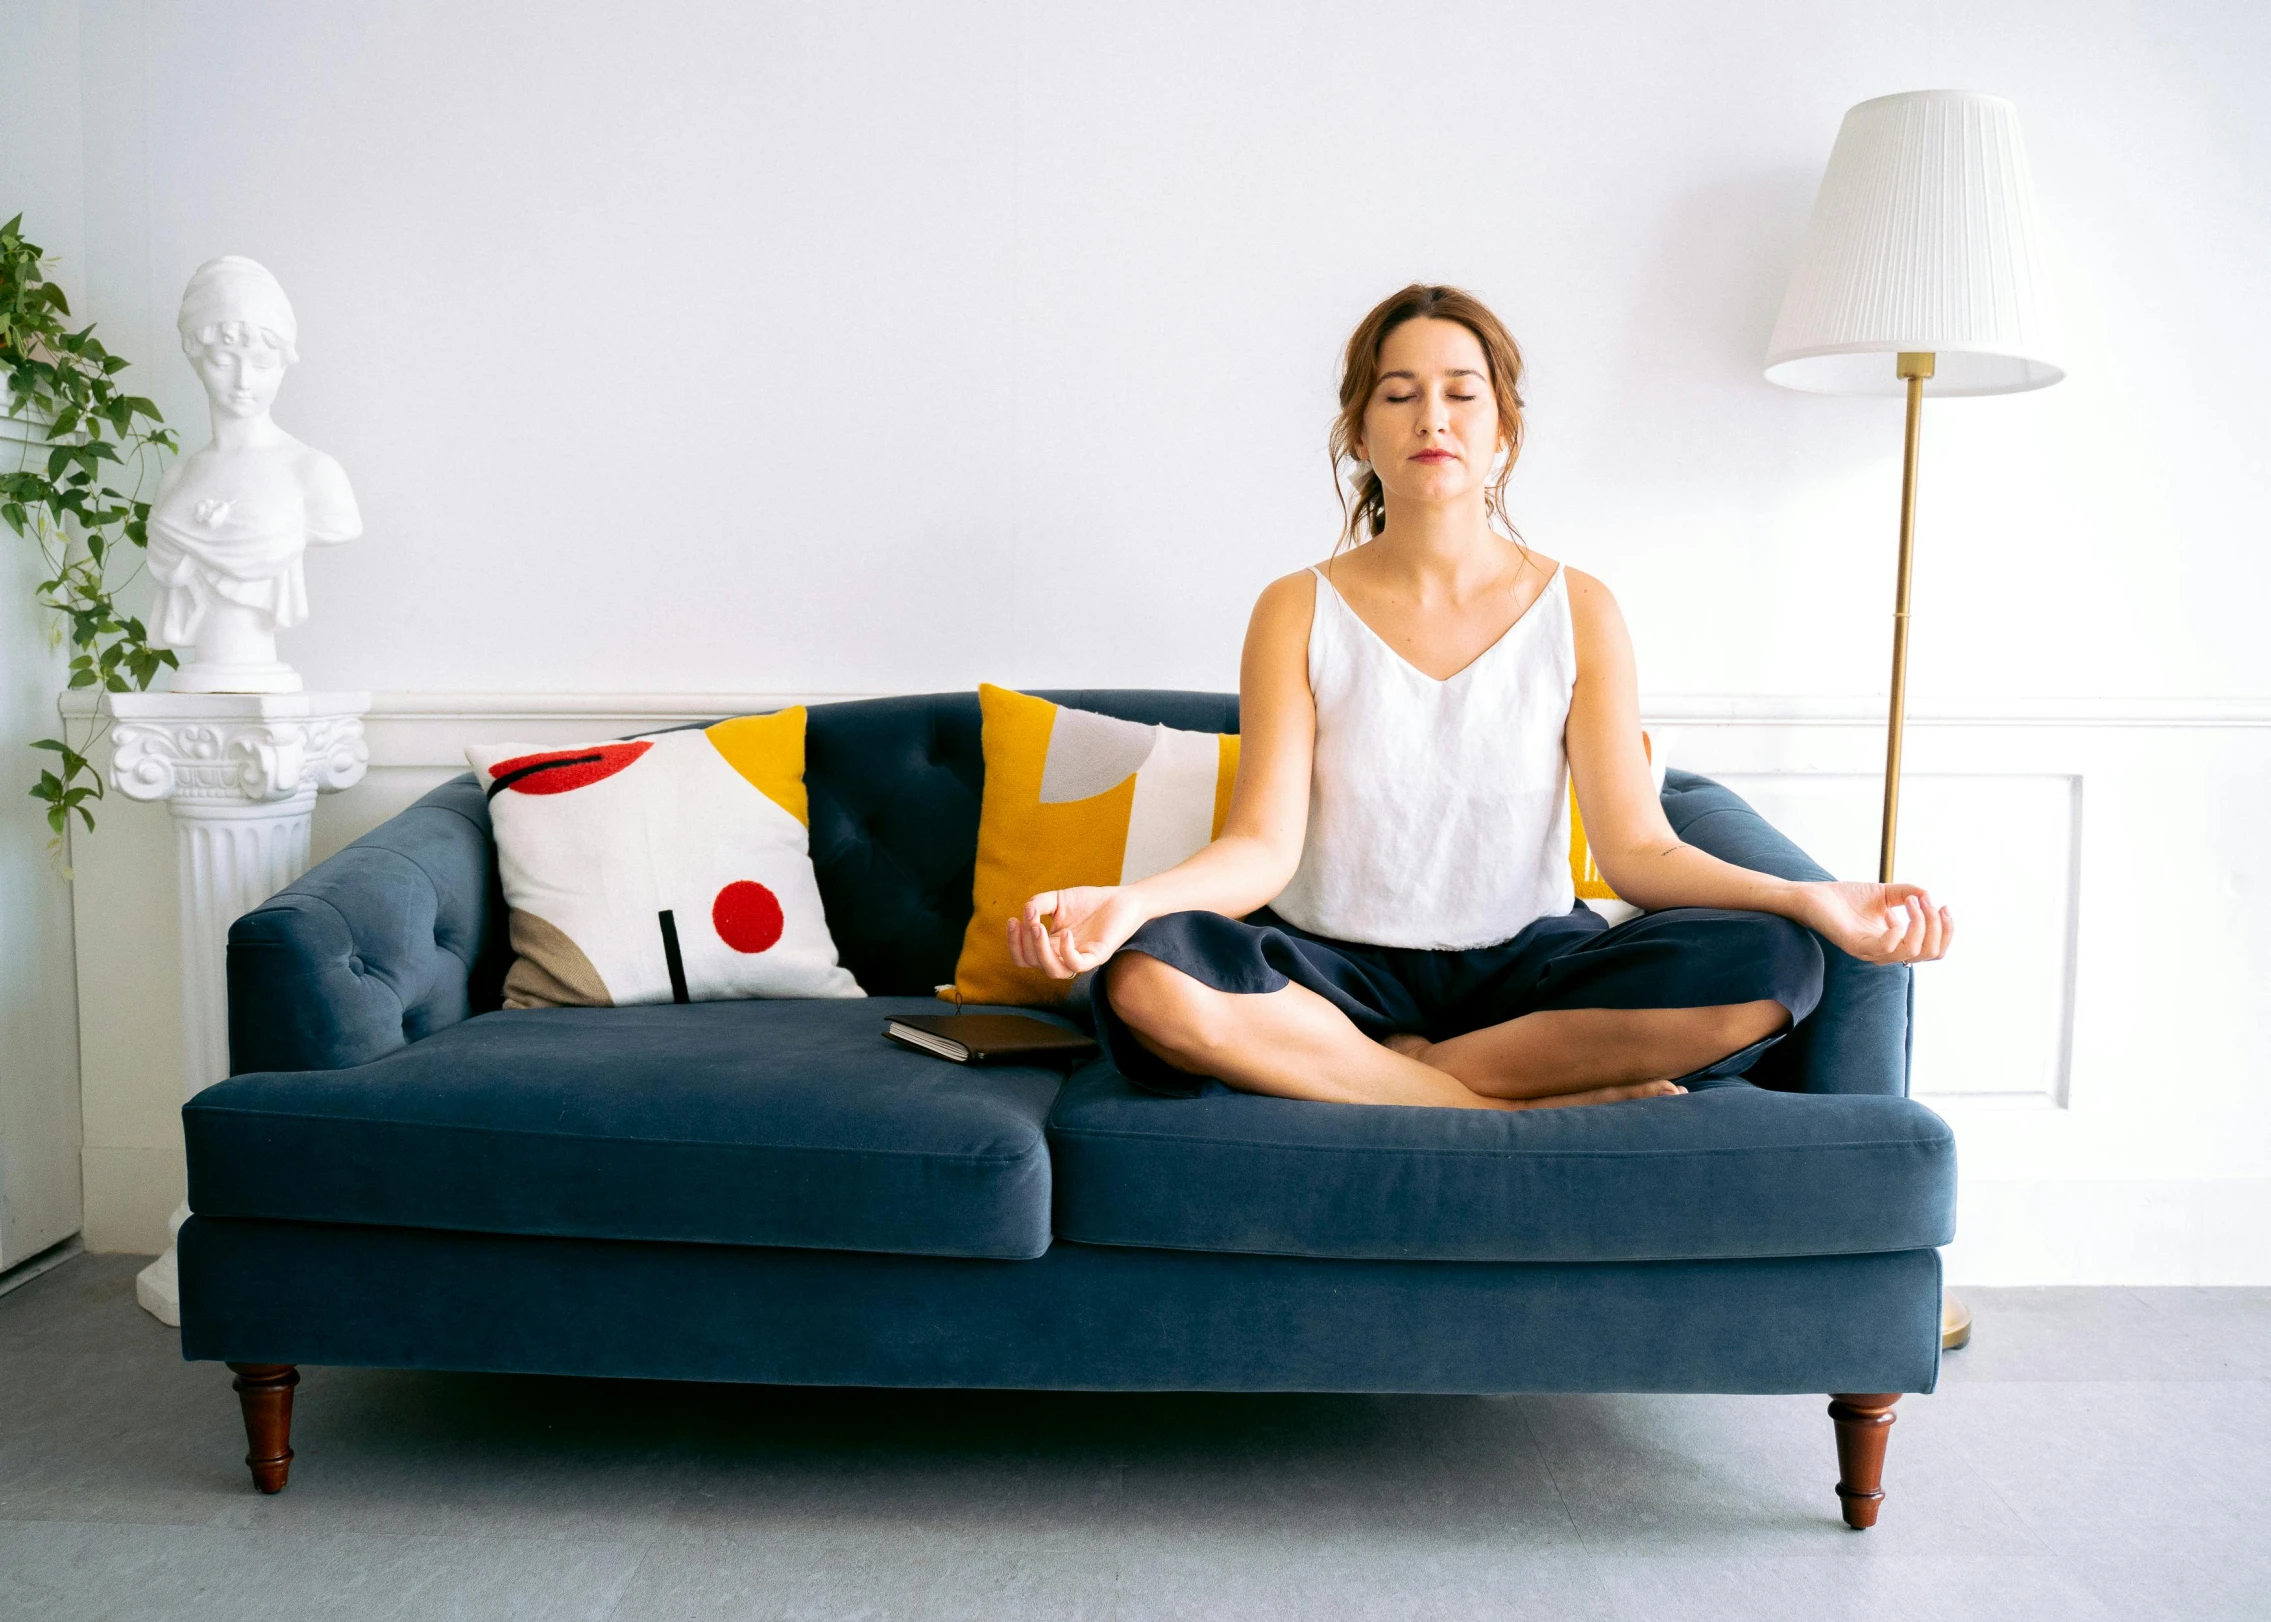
(1388, 916)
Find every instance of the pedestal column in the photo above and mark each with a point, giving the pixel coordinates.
(240, 773)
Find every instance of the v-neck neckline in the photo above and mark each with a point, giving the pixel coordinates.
(1441, 681)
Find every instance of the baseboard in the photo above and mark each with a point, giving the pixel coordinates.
(47, 1261)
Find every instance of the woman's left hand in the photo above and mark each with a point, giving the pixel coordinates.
(1877, 923)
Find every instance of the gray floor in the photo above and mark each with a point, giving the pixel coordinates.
(2096, 1453)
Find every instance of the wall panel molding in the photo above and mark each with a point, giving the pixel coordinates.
(432, 728)
(1787, 710)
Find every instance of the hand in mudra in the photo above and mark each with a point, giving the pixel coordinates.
(1065, 932)
(1879, 923)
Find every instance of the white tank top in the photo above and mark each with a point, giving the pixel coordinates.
(1438, 810)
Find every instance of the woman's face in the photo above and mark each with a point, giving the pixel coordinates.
(1431, 426)
(242, 368)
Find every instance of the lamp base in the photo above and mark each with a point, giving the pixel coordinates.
(1955, 1323)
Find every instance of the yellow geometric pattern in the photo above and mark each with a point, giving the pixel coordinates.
(769, 751)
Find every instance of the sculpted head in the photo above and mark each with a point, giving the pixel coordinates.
(238, 331)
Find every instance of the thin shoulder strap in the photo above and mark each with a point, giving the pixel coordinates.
(1325, 594)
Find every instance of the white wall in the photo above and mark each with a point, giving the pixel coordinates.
(756, 348)
(39, 1079)
(656, 336)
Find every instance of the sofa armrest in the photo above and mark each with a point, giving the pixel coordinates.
(397, 936)
(1857, 1039)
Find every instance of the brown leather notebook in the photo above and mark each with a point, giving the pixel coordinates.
(990, 1038)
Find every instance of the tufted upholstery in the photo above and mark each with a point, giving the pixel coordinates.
(394, 938)
(401, 934)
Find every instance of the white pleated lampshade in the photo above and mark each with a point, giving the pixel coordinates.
(1924, 236)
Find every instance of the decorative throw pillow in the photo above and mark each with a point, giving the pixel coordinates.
(1592, 888)
(671, 868)
(1074, 798)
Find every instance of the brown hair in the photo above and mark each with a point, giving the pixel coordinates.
(1364, 509)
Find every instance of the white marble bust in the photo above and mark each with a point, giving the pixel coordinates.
(231, 521)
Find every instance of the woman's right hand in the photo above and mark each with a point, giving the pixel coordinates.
(1877, 923)
(1066, 932)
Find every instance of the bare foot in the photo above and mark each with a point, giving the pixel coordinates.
(1408, 1043)
(1604, 1095)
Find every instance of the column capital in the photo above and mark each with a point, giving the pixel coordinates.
(220, 749)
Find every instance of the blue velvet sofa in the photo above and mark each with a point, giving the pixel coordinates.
(401, 1174)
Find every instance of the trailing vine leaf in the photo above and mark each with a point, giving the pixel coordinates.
(91, 535)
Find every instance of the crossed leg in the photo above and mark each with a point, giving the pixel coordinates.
(1563, 1050)
(1293, 1043)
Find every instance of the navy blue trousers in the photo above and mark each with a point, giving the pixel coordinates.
(1683, 957)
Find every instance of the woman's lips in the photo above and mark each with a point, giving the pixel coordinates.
(1434, 456)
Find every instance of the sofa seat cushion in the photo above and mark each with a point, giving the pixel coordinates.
(790, 1122)
(1726, 1171)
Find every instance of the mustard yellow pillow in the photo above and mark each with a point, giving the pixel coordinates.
(1073, 798)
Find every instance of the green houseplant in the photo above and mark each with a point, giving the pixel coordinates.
(77, 453)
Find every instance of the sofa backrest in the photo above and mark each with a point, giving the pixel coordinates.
(402, 933)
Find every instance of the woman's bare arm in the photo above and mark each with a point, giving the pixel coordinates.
(1066, 931)
(1651, 867)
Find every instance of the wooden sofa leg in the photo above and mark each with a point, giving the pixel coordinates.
(1861, 1426)
(264, 1390)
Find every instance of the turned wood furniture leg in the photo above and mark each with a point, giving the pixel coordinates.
(264, 1390)
(1861, 1426)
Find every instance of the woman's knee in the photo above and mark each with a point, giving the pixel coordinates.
(1736, 1026)
(1786, 960)
(1161, 1002)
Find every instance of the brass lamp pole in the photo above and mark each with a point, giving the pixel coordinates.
(1923, 245)
(1914, 367)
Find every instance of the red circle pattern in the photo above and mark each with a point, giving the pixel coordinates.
(747, 916)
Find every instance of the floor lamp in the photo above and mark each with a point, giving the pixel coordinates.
(1921, 273)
